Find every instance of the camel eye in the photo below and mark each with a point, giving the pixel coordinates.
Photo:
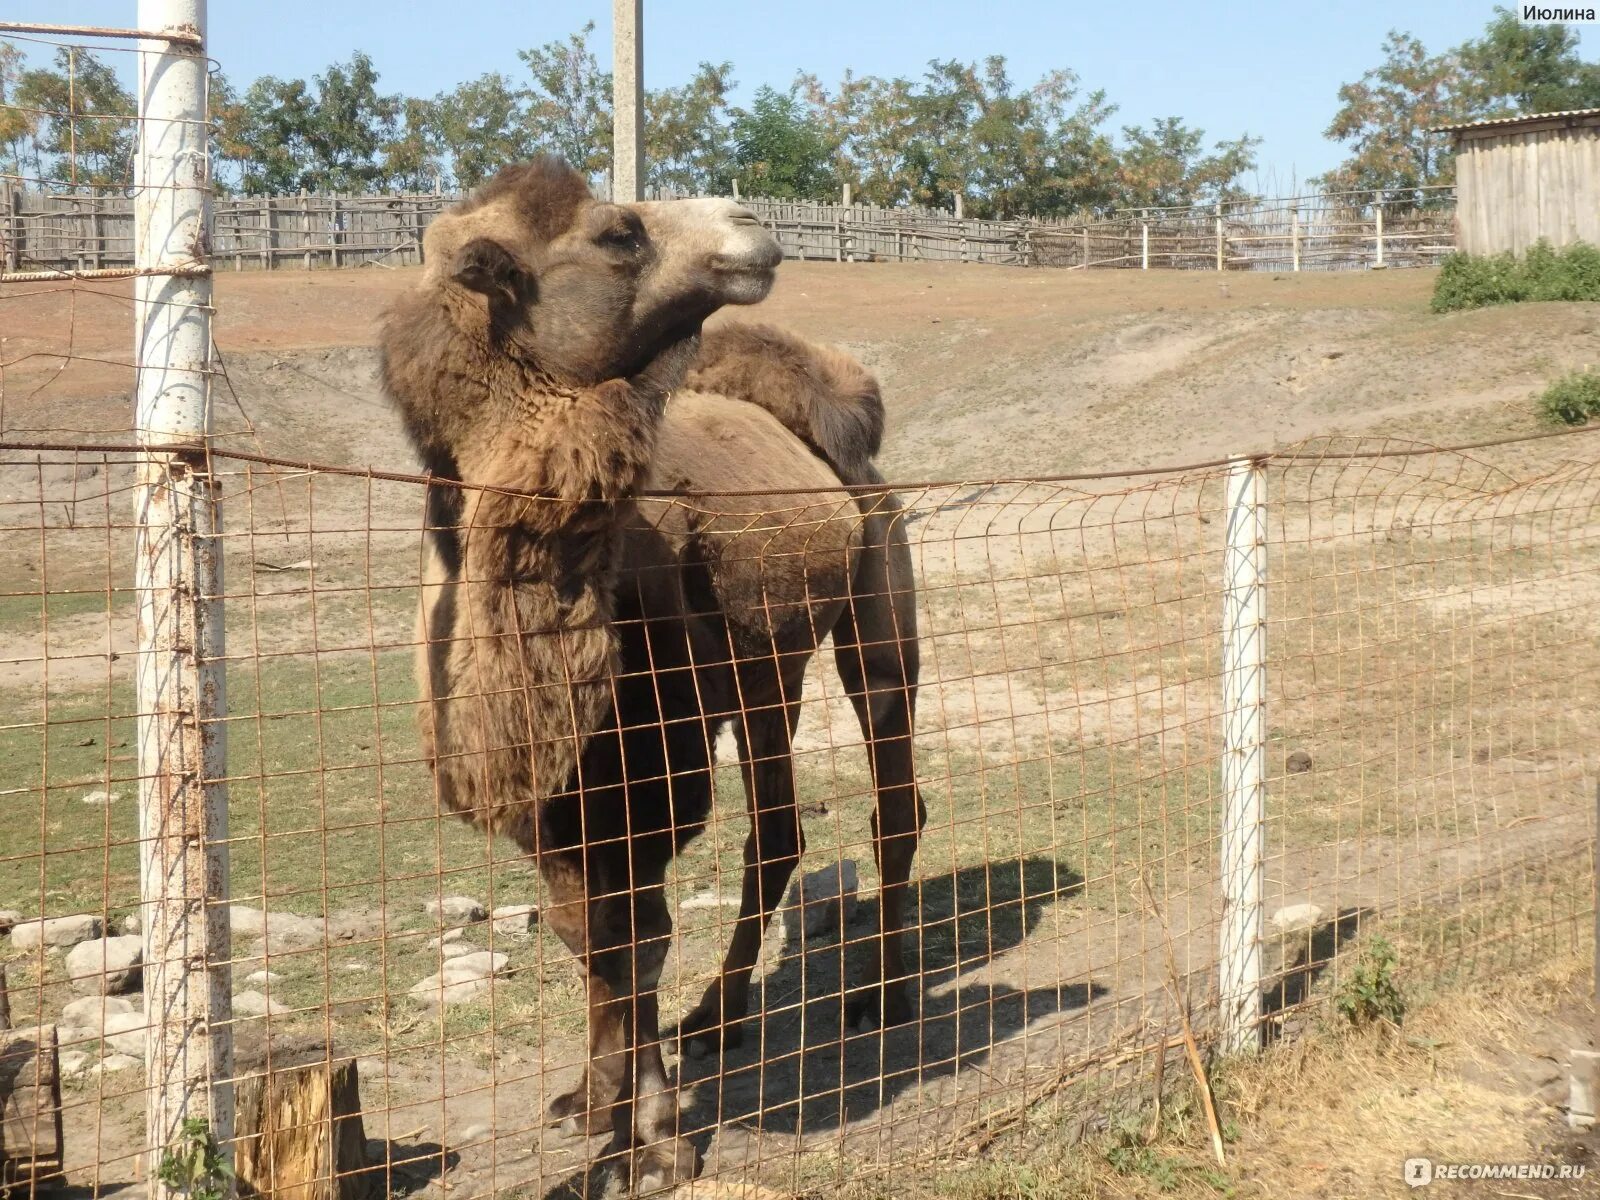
(622, 236)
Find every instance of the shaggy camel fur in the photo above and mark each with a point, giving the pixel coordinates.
(580, 649)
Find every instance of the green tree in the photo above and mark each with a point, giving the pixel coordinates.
(1166, 166)
(688, 142)
(351, 123)
(1518, 68)
(81, 120)
(569, 110)
(1386, 119)
(266, 135)
(966, 128)
(481, 126)
(18, 127)
(412, 156)
(779, 150)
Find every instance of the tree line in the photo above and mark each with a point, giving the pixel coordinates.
(1387, 118)
(1047, 149)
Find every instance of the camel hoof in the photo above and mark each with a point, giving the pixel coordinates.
(665, 1165)
(878, 1009)
(573, 1116)
(700, 1037)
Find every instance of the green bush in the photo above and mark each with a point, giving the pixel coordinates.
(1544, 273)
(1573, 399)
(1370, 992)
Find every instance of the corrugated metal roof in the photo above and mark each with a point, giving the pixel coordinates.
(1524, 119)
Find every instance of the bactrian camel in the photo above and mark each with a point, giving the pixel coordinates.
(581, 647)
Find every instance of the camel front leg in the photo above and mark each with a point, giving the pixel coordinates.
(771, 852)
(646, 1147)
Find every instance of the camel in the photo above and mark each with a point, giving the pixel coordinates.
(580, 645)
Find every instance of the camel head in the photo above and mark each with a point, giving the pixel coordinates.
(584, 289)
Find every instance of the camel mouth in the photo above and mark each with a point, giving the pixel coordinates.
(747, 277)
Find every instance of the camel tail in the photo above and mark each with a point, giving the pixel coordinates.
(821, 395)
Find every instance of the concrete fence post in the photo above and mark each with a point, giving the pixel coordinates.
(1377, 212)
(1244, 661)
(183, 811)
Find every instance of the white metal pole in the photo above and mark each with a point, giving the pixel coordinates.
(1377, 204)
(183, 811)
(1294, 234)
(1244, 659)
(1144, 244)
(627, 100)
(1219, 235)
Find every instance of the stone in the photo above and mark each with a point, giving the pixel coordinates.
(438, 990)
(515, 920)
(90, 1012)
(245, 921)
(263, 978)
(446, 938)
(73, 1062)
(8, 918)
(107, 966)
(282, 930)
(112, 1063)
(257, 1004)
(708, 900)
(101, 799)
(452, 950)
(372, 1068)
(130, 924)
(821, 902)
(479, 963)
(458, 910)
(462, 979)
(124, 1032)
(471, 1134)
(1298, 762)
(56, 931)
(1297, 918)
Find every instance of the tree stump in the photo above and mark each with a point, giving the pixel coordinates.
(299, 1130)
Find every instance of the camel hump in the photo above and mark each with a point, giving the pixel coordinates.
(821, 395)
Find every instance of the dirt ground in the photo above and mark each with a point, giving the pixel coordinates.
(1433, 622)
(988, 371)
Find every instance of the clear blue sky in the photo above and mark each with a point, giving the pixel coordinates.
(1268, 69)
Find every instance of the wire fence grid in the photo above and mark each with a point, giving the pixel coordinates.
(1408, 631)
(1427, 691)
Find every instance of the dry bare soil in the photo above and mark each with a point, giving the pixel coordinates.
(1434, 657)
(989, 371)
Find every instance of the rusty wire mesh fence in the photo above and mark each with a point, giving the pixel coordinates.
(1430, 655)
(402, 1005)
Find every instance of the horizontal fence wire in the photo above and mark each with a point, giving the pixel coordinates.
(78, 231)
(1430, 642)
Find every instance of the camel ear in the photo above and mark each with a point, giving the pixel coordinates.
(484, 265)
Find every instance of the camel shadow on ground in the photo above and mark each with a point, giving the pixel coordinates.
(803, 1069)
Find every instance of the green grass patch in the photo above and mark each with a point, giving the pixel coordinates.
(1573, 399)
(1543, 273)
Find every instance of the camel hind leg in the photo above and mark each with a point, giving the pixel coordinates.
(877, 656)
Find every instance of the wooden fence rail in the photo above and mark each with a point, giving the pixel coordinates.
(65, 232)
